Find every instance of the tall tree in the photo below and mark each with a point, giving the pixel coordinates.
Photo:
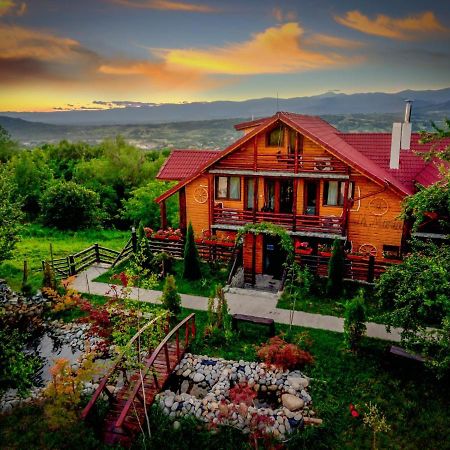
(8, 147)
(336, 270)
(10, 214)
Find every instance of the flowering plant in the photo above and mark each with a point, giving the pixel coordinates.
(302, 245)
(324, 248)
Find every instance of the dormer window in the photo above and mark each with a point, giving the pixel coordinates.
(275, 137)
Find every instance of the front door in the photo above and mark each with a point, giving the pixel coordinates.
(311, 207)
(273, 257)
(286, 196)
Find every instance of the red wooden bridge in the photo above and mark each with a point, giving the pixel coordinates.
(130, 395)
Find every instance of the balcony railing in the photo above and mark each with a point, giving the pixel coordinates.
(283, 162)
(318, 224)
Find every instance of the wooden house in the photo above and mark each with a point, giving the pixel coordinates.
(299, 172)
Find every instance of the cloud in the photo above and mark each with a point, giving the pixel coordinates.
(11, 7)
(275, 50)
(281, 16)
(408, 28)
(167, 5)
(326, 40)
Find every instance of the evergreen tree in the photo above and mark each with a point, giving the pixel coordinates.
(191, 270)
(336, 267)
(354, 321)
(49, 280)
(171, 299)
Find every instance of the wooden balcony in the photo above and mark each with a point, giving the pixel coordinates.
(316, 224)
(283, 162)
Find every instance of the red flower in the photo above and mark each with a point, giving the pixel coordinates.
(355, 413)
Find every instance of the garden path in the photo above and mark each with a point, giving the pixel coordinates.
(242, 301)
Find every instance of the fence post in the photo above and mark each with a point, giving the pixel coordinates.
(371, 269)
(72, 267)
(134, 239)
(43, 265)
(97, 253)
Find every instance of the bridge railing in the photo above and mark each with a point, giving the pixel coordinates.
(189, 332)
(117, 366)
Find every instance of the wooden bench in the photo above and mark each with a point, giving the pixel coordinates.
(235, 318)
(398, 351)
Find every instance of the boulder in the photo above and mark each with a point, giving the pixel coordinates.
(292, 402)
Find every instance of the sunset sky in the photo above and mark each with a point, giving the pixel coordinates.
(71, 54)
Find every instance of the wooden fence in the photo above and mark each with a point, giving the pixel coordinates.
(210, 251)
(365, 269)
(95, 254)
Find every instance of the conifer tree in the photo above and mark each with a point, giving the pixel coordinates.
(354, 321)
(336, 268)
(171, 299)
(191, 270)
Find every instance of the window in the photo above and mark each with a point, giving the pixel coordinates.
(275, 137)
(250, 193)
(292, 141)
(228, 188)
(333, 192)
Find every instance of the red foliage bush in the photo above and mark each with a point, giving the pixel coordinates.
(283, 355)
(242, 393)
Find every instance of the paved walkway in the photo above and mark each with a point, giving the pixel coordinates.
(243, 301)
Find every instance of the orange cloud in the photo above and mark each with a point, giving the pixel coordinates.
(326, 40)
(275, 50)
(11, 7)
(408, 28)
(167, 5)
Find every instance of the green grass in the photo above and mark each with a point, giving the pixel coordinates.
(211, 277)
(415, 404)
(35, 247)
(317, 302)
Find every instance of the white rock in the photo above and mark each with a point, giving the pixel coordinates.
(292, 402)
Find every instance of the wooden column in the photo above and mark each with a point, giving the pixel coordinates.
(163, 213)
(294, 204)
(255, 154)
(182, 207)
(297, 142)
(345, 208)
(255, 198)
(211, 199)
(254, 260)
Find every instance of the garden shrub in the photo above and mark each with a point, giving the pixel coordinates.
(49, 280)
(17, 368)
(283, 355)
(68, 206)
(171, 299)
(336, 270)
(354, 321)
(191, 268)
(218, 328)
(416, 295)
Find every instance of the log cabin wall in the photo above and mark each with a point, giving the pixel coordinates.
(249, 240)
(197, 207)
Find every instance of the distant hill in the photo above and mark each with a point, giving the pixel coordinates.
(331, 103)
(212, 134)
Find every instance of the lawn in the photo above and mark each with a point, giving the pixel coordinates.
(34, 247)
(317, 302)
(415, 404)
(211, 277)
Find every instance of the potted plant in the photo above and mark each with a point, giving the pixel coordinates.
(324, 250)
(148, 232)
(355, 256)
(174, 235)
(160, 234)
(303, 248)
(227, 241)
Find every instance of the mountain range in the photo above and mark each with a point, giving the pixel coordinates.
(435, 103)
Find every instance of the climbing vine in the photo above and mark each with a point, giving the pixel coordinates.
(272, 230)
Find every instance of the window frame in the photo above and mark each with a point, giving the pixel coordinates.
(351, 192)
(228, 197)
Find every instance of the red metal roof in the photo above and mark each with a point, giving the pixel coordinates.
(366, 152)
(377, 147)
(182, 164)
(250, 123)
